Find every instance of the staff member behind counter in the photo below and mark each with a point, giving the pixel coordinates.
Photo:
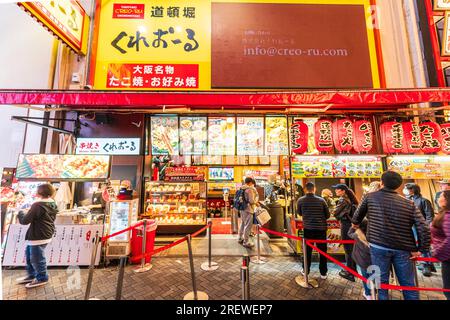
(125, 191)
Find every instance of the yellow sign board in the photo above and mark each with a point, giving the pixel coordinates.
(183, 45)
(65, 18)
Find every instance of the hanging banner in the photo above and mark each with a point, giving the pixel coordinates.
(64, 18)
(209, 44)
(343, 135)
(445, 132)
(276, 136)
(299, 137)
(323, 135)
(193, 136)
(362, 136)
(411, 132)
(392, 137)
(250, 136)
(420, 167)
(221, 136)
(164, 135)
(430, 137)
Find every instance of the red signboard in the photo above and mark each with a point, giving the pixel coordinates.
(164, 76)
(445, 132)
(343, 135)
(128, 11)
(411, 132)
(392, 137)
(323, 135)
(362, 136)
(299, 137)
(175, 174)
(430, 137)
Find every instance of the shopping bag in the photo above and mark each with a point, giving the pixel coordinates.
(262, 216)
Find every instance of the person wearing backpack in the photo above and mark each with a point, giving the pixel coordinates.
(345, 208)
(246, 201)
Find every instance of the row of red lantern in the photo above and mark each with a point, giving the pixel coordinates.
(344, 134)
(409, 137)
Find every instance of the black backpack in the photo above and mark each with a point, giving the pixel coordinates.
(240, 201)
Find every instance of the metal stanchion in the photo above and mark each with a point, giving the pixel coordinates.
(416, 275)
(373, 290)
(234, 221)
(304, 281)
(144, 267)
(258, 259)
(194, 295)
(91, 268)
(123, 261)
(209, 265)
(245, 282)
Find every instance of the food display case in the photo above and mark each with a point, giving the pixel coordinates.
(177, 207)
(122, 214)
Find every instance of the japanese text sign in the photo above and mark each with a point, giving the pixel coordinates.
(109, 146)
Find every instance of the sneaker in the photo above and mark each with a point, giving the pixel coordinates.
(323, 277)
(367, 297)
(433, 268)
(302, 272)
(248, 245)
(241, 241)
(346, 275)
(35, 283)
(24, 280)
(426, 271)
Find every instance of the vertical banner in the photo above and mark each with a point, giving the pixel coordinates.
(276, 136)
(250, 136)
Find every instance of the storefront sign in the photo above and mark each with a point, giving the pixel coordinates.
(109, 146)
(392, 137)
(250, 136)
(420, 167)
(299, 137)
(276, 136)
(343, 135)
(72, 245)
(164, 135)
(441, 5)
(445, 132)
(446, 35)
(362, 136)
(62, 167)
(218, 44)
(411, 132)
(222, 136)
(193, 135)
(65, 18)
(336, 167)
(323, 135)
(260, 174)
(430, 137)
(185, 174)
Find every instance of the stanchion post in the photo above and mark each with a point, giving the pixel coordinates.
(123, 261)
(144, 266)
(304, 280)
(305, 261)
(258, 259)
(373, 290)
(194, 295)
(416, 275)
(244, 280)
(209, 265)
(92, 267)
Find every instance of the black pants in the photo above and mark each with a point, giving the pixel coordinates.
(317, 235)
(348, 248)
(446, 277)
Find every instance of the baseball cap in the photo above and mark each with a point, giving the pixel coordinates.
(340, 186)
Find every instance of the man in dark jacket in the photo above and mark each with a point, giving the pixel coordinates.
(315, 213)
(412, 192)
(391, 218)
(41, 218)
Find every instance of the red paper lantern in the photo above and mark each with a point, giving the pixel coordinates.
(392, 137)
(445, 132)
(299, 137)
(411, 132)
(362, 136)
(343, 135)
(430, 137)
(323, 135)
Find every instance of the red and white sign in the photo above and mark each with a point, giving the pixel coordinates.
(343, 135)
(411, 132)
(299, 137)
(362, 136)
(430, 137)
(445, 132)
(392, 137)
(175, 174)
(128, 11)
(164, 76)
(323, 135)
(109, 146)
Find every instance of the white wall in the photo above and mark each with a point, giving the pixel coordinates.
(24, 63)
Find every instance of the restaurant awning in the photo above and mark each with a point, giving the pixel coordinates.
(370, 101)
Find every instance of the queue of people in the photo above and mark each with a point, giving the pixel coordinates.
(390, 231)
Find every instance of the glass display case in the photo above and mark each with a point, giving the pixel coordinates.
(177, 207)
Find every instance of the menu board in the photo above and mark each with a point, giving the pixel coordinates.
(164, 134)
(337, 167)
(221, 136)
(225, 174)
(193, 136)
(175, 174)
(250, 136)
(420, 167)
(276, 136)
(62, 167)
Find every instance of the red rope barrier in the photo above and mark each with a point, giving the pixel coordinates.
(280, 234)
(122, 231)
(199, 231)
(427, 259)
